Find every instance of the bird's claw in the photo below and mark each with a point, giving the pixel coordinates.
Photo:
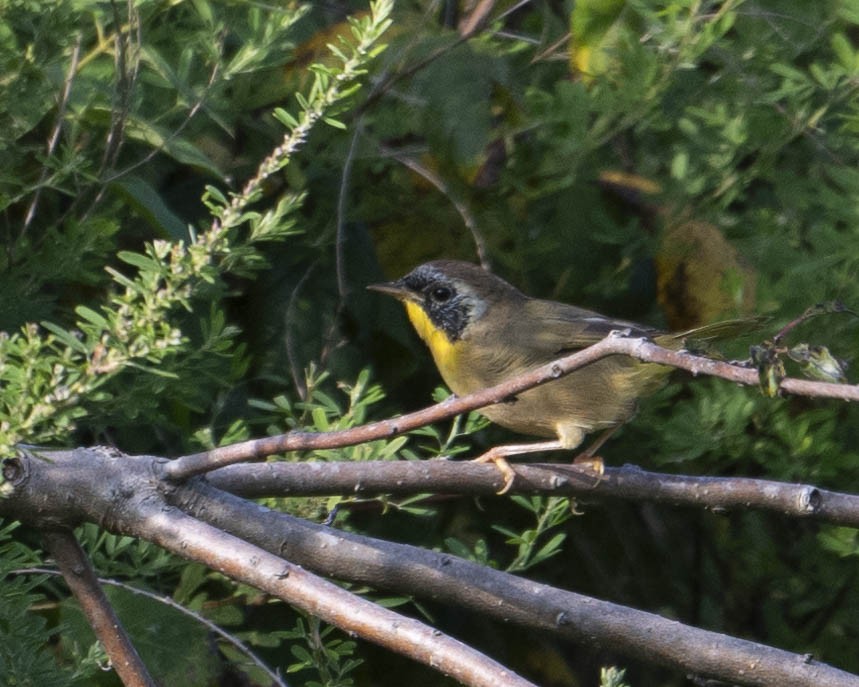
(500, 462)
(590, 462)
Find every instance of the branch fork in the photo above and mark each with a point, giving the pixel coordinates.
(163, 502)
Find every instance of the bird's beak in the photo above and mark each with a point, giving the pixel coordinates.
(393, 288)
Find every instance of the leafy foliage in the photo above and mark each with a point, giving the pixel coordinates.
(24, 636)
(329, 656)
(667, 161)
(612, 677)
(549, 513)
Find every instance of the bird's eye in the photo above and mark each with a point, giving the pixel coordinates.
(441, 294)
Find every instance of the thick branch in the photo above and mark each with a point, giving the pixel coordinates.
(468, 478)
(124, 495)
(614, 344)
(79, 575)
(197, 541)
(448, 579)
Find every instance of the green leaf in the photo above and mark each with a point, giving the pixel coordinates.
(285, 118)
(337, 124)
(66, 337)
(92, 316)
(512, 536)
(120, 278)
(301, 654)
(151, 207)
(320, 419)
(151, 369)
(550, 548)
(215, 193)
(143, 262)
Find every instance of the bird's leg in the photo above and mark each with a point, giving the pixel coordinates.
(569, 437)
(589, 458)
(597, 444)
(498, 456)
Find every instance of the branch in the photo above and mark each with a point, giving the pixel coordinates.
(197, 541)
(447, 579)
(614, 344)
(123, 494)
(79, 575)
(468, 478)
(48, 488)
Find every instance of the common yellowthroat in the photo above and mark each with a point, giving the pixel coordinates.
(482, 330)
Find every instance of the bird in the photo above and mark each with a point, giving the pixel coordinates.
(482, 330)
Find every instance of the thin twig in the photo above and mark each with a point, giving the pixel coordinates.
(386, 84)
(342, 202)
(296, 370)
(121, 108)
(614, 344)
(125, 80)
(167, 601)
(186, 120)
(474, 25)
(478, 18)
(55, 133)
(79, 575)
(330, 337)
(443, 188)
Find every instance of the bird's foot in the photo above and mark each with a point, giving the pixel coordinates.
(591, 462)
(507, 472)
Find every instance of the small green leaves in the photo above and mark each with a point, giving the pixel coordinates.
(335, 123)
(285, 118)
(612, 677)
(321, 649)
(330, 87)
(549, 513)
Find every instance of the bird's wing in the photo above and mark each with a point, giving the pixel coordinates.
(726, 329)
(565, 328)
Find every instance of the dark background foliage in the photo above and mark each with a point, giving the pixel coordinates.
(669, 162)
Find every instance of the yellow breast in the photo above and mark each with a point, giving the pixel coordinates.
(443, 350)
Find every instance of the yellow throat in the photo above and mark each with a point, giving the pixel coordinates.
(444, 351)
